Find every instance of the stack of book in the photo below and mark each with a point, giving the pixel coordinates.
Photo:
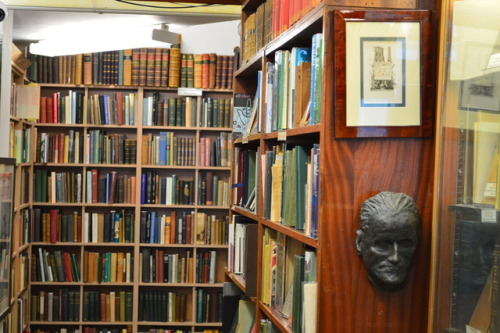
(152, 67)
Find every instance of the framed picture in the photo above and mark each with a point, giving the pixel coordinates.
(7, 179)
(382, 78)
(481, 93)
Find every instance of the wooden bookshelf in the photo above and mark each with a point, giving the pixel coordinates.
(350, 171)
(194, 172)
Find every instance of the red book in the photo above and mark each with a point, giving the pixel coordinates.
(67, 267)
(205, 70)
(119, 108)
(206, 267)
(173, 227)
(103, 307)
(135, 67)
(95, 185)
(55, 108)
(112, 190)
(53, 225)
(49, 110)
(159, 266)
(210, 185)
(61, 148)
(43, 110)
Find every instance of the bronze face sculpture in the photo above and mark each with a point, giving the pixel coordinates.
(388, 239)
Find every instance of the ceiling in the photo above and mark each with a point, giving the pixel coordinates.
(34, 24)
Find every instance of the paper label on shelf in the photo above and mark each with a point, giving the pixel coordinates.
(488, 215)
(282, 136)
(244, 139)
(189, 92)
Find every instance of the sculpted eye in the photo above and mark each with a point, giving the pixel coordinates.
(383, 245)
(406, 243)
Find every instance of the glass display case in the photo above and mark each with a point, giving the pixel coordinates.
(466, 246)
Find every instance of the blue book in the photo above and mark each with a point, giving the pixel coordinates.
(143, 188)
(314, 64)
(163, 148)
(152, 228)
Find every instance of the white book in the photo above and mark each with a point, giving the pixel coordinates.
(213, 259)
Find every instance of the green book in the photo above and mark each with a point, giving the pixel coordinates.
(301, 158)
(298, 278)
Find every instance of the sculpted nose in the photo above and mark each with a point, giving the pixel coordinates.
(395, 256)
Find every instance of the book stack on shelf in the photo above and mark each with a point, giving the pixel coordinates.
(145, 67)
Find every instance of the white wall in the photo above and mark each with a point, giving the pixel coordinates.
(220, 38)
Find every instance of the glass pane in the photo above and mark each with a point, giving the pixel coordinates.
(468, 201)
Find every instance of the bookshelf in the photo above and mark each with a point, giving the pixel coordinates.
(342, 174)
(133, 206)
(20, 142)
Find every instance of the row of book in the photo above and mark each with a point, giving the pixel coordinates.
(109, 188)
(216, 112)
(213, 190)
(244, 177)
(57, 305)
(270, 19)
(110, 227)
(169, 111)
(289, 280)
(109, 148)
(153, 67)
(169, 190)
(52, 186)
(55, 266)
(293, 87)
(116, 109)
(108, 267)
(88, 329)
(55, 226)
(109, 307)
(208, 306)
(20, 143)
(242, 251)
(59, 108)
(166, 148)
(215, 151)
(157, 266)
(59, 147)
(182, 228)
(162, 306)
(290, 181)
(176, 228)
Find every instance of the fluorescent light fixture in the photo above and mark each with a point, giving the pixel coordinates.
(100, 40)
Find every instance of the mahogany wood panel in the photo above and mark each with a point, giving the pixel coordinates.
(354, 170)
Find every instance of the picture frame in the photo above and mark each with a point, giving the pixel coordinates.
(7, 179)
(481, 93)
(383, 74)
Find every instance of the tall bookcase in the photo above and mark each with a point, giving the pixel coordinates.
(350, 170)
(69, 216)
(20, 143)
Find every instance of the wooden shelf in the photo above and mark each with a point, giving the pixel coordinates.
(277, 318)
(291, 232)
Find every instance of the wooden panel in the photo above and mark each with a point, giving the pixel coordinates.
(357, 169)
